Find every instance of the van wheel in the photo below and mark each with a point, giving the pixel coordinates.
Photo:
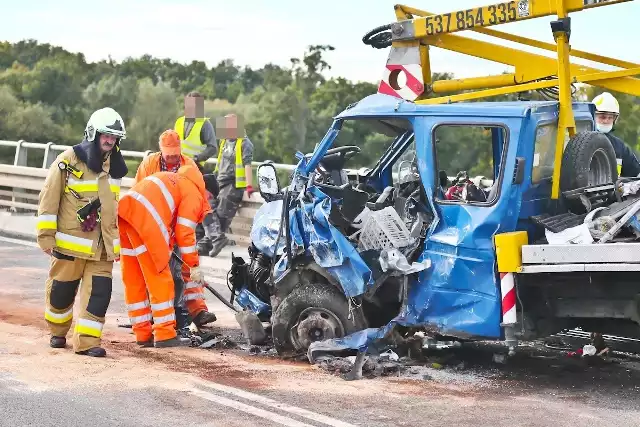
(588, 160)
(313, 312)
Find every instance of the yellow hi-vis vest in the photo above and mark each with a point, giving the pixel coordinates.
(241, 177)
(191, 145)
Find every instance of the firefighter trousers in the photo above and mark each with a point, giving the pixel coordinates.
(148, 294)
(67, 275)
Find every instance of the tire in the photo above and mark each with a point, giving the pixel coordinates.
(312, 312)
(588, 160)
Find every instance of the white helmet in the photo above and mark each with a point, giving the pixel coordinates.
(606, 103)
(107, 121)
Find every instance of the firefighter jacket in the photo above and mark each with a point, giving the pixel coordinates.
(151, 165)
(164, 208)
(70, 185)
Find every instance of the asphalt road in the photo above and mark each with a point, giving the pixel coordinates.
(183, 387)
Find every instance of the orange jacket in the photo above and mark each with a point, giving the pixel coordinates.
(151, 165)
(164, 208)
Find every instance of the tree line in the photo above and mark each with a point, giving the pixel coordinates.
(47, 93)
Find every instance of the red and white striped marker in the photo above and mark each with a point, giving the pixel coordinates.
(508, 288)
(414, 86)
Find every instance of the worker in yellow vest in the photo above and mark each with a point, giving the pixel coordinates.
(195, 130)
(197, 137)
(234, 176)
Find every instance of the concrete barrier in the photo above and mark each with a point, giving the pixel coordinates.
(20, 184)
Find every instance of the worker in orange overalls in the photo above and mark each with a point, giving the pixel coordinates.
(189, 300)
(158, 212)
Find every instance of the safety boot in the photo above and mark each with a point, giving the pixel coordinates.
(58, 342)
(204, 317)
(145, 344)
(218, 244)
(204, 245)
(94, 352)
(182, 318)
(173, 342)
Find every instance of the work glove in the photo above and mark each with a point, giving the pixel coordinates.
(250, 190)
(197, 275)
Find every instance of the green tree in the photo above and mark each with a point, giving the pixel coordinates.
(113, 91)
(154, 111)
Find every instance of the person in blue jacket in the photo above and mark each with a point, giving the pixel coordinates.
(607, 114)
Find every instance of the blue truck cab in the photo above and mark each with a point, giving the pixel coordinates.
(413, 240)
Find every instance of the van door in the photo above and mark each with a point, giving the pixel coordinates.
(460, 294)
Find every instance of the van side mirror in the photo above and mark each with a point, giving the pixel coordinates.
(268, 181)
(518, 174)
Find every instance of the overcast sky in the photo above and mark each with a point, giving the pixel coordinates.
(256, 32)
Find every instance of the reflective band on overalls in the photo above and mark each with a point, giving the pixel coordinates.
(73, 243)
(241, 177)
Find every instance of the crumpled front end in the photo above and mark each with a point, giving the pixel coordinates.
(311, 234)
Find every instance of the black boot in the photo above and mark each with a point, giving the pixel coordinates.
(58, 342)
(218, 244)
(94, 352)
(182, 317)
(204, 246)
(203, 318)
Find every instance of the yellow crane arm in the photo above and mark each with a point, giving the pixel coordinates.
(485, 16)
(411, 38)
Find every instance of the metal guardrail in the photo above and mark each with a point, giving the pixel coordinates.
(20, 184)
(52, 150)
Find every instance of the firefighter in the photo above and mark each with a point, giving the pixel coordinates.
(77, 227)
(159, 211)
(234, 177)
(607, 114)
(170, 159)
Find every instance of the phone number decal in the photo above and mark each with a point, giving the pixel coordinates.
(480, 17)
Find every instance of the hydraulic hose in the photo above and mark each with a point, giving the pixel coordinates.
(210, 288)
(378, 38)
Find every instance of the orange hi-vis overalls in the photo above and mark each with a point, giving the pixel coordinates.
(159, 211)
(149, 166)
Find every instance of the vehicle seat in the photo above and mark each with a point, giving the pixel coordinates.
(353, 201)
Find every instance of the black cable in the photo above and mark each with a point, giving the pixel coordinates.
(378, 38)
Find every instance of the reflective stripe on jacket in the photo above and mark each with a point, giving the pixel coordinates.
(62, 195)
(191, 145)
(151, 165)
(241, 177)
(163, 203)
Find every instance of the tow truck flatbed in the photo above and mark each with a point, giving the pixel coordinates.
(580, 258)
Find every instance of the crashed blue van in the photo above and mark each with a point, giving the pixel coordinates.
(409, 241)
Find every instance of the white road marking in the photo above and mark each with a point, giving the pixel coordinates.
(244, 394)
(275, 404)
(19, 242)
(280, 419)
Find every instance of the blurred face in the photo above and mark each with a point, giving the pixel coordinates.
(230, 126)
(107, 142)
(171, 159)
(193, 107)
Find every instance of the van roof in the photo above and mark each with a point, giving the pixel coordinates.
(387, 105)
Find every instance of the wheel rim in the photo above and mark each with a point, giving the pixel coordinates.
(315, 324)
(599, 170)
